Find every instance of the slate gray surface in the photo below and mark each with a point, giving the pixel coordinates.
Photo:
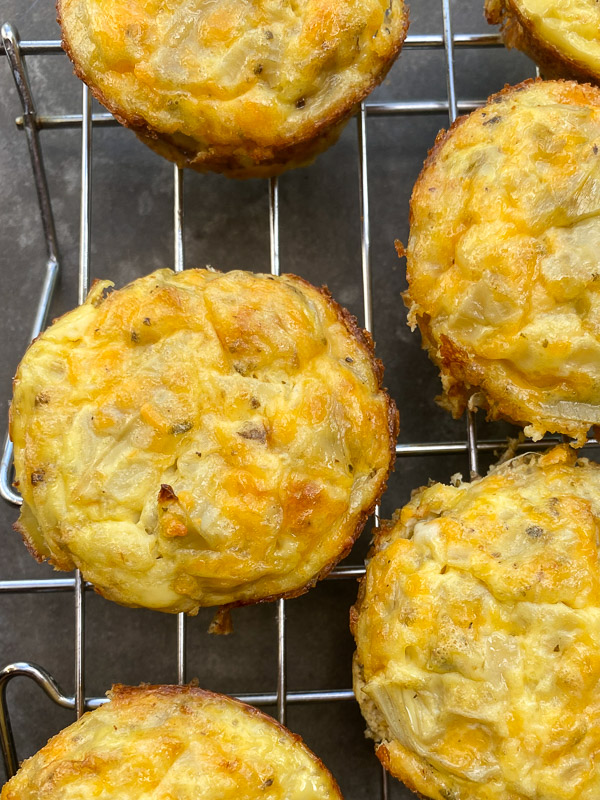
(227, 227)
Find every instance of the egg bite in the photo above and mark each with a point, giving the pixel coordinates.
(477, 630)
(248, 89)
(563, 38)
(169, 742)
(200, 439)
(502, 259)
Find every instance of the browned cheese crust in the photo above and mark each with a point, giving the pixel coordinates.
(502, 259)
(477, 629)
(173, 742)
(200, 439)
(561, 36)
(247, 88)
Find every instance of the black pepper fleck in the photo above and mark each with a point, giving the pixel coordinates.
(254, 433)
(534, 531)
(181, 427)
(37, 477)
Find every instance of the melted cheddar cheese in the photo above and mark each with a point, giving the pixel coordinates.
(503, 270)
(246, 87)
(478, 635)
(563, 36)
(173, 743)
(200, 438)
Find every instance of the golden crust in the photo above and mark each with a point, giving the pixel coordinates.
(200, 438)
(502, 258)
(245, 89)
(563, 38)
(477, 629)
(173, 741)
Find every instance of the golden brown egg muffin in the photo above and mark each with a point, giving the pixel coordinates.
(561, 36)
(173, 743)
(502, 260)
(478, 635)
(200, 438)
(245, 88)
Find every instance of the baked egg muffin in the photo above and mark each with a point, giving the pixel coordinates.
(563, 38)
(173, 743)
(199, 438)
(502, 260)
(247, 88)
(477, 630)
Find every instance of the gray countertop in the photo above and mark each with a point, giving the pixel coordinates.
(226, 226)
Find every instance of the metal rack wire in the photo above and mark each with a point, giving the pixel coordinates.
(32, 123)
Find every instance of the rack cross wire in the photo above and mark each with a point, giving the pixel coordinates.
(32, 123)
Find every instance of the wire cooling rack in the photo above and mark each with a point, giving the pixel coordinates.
(32, 124)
